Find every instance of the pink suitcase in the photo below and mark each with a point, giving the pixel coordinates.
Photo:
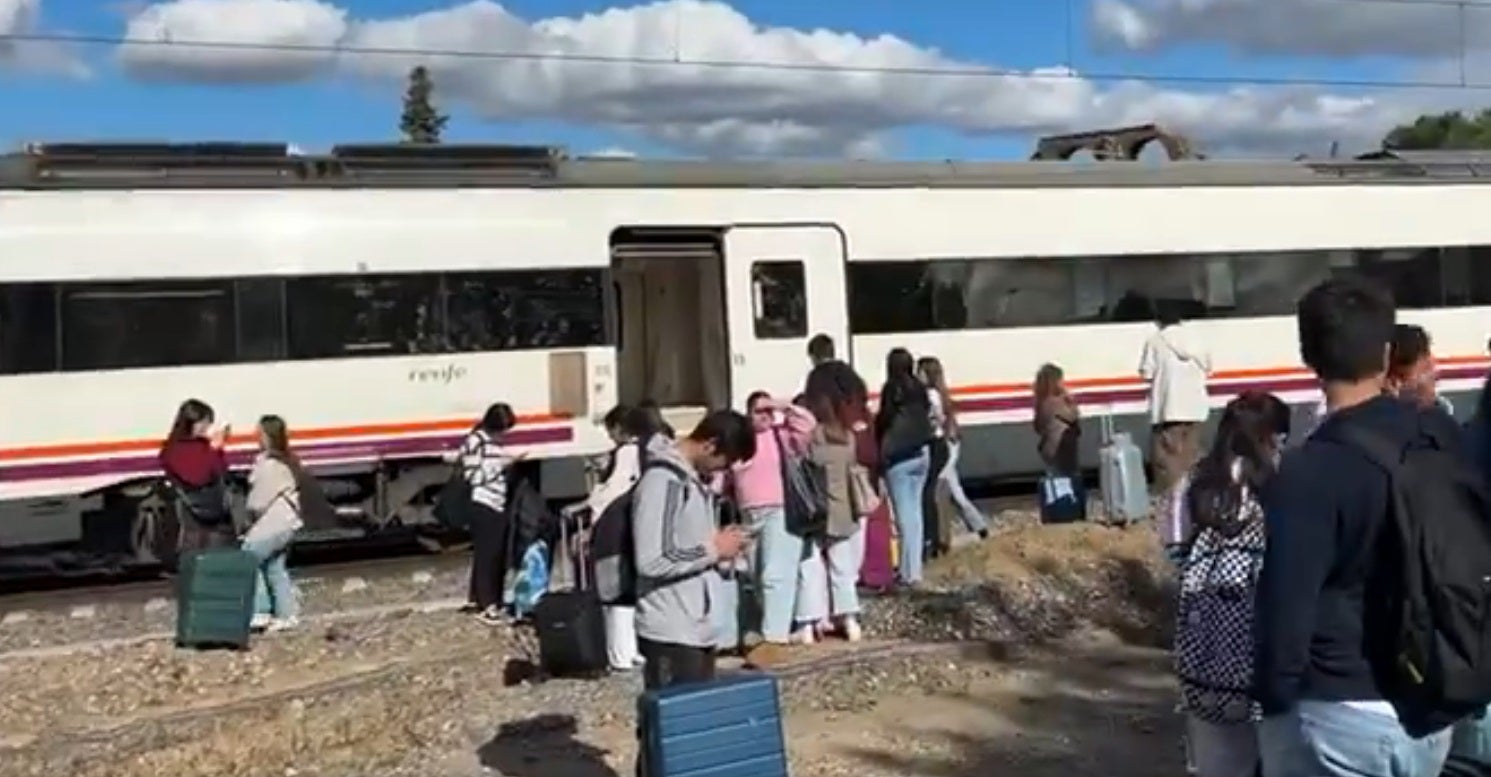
(879, 567)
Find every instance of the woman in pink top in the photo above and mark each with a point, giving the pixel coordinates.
(758, 489)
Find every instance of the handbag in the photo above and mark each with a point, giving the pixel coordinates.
(453, 500)
(1061, 500)
(804, 493)
(864, 497)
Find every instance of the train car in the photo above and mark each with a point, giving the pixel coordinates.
(379, 298)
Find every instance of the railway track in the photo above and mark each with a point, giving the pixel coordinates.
(318, 562)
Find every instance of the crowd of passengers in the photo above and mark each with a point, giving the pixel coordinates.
(781, 582)
(1285, 634)
(1276, 533)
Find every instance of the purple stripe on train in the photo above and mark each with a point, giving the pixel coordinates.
(1227, 389)
(310, 452)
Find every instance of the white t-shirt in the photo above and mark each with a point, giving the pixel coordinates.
(1175, 362)
(939, 416)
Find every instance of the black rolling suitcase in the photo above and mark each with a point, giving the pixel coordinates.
(570, 624)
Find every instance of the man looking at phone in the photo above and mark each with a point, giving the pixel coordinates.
(678, 547)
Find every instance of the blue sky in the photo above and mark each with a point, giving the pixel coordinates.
(177, 99)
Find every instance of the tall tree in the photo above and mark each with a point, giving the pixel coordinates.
(421, 121)
(1449, 130)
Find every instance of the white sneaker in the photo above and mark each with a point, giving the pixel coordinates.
(283, 624)
(804, 636)
(260, 621)
(852, 632)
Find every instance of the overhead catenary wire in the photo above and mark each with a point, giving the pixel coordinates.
(672, 61)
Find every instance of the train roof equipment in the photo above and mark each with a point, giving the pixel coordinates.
(229, 165)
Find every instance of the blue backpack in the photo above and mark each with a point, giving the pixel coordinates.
(532, 580)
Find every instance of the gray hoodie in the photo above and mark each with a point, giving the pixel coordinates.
(673, 522)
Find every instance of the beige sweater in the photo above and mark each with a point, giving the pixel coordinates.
(836, 459)
(273, 498)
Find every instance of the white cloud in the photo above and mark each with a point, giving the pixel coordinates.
(492, 62)
(23, 17)
(1431, 29)
(263, 40)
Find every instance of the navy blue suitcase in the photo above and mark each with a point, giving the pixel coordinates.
(729, 727)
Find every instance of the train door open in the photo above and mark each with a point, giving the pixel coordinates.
(783, 285)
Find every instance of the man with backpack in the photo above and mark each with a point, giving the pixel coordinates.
(1368, 623)
(678, 549)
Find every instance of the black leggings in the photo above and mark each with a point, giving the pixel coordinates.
(489, 555)
(934, 544)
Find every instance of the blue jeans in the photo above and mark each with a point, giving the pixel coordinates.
(726, 610)
(274, 591)
(972, 518)
(775, 559)
(1332, 739)
(1470, 744)
(905, 481)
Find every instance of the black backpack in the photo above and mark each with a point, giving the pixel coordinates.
(613, 547)
(804, 492)
(1433, 573)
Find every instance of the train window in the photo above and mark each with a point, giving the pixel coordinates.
(1268, 283)
(888, 297)
(363, 315)
(261, 319)
(913, 296)
(779, 299)
(501, 311)
(28, 328)
(110, 326)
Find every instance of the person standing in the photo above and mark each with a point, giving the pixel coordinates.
(1176, 363)
(281, 494)
(903, 431)
(193, 461)
(678, 547)
(484, 465)
(782, 431)
(947, 436)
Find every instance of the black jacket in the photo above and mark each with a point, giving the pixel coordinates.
(1324, 511)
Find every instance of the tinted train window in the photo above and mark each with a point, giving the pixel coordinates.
(887, 297)
(364, 315)
(501, 311)
(28, 328)
(110, 326)
(779, 301)
(261, 319)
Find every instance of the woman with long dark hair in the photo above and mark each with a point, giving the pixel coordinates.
(484, 464)
(903, 430)
(281, 493)
(1218, 511)
(196, 468)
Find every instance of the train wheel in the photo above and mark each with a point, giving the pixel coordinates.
(155, 532)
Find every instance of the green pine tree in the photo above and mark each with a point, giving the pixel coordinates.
(421, 121)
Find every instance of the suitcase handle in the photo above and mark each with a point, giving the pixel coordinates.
(1106, 421)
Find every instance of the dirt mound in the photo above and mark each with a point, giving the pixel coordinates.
(1035, 583)
(1033, 551)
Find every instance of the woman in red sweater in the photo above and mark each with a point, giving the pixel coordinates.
(193, 461)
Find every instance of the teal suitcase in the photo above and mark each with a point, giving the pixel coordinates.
(728, 727)
(215, 598)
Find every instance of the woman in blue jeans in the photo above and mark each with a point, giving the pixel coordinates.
(279, 491)
(903, 429)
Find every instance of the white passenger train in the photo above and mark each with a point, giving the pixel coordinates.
(379, 298)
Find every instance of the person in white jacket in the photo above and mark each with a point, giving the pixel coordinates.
(274, 500)
(629, 428)
(1176, 363)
